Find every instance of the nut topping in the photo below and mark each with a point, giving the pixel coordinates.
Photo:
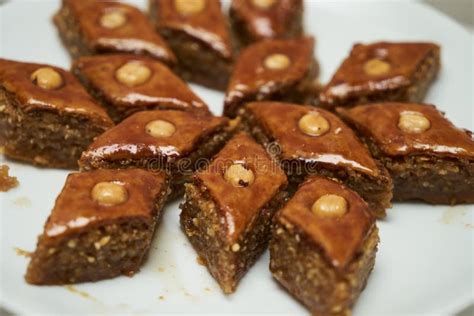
(330, 205)
(277, 62)
(239, 176)
(189, 7)
(314, 124)
(109, 193)
(47, 78)
(160, 128)
(133, 73)
(263, 4)
(113, 19)
(413, 122)
(376, 67)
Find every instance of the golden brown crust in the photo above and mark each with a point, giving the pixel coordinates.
(339, 146)
(252, 80)
(351, 80)
(340, 238)
(379, 123)
(240, 204)
(68, 99)
(75, 208)
(163, 89)
(129, 139)
(135, 36)
(208, 26)
(264, 23)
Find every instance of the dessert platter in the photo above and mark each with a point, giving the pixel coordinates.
(245, 157)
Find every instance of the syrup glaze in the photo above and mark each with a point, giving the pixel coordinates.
(379, 122)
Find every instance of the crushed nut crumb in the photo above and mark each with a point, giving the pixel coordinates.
(102, 242)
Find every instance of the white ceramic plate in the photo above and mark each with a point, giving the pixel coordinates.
(424, 265)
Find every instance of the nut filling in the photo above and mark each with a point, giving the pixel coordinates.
(413, 122)
(189, 7)
(109, 193)
(47, 78)
(113, 19)
(277, 62)
(376, 67)
(314, 124)
(239, 175)
(330, 205)
(133, 74)
(160, 128)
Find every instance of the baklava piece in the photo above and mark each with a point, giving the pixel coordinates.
(174, 141)
(199, 35)
(255, 20)
(229, 207)
(323, 246)
(277, 70)
(46, 117)
(90, 27)
(306, 140)
(7, 182)
(125, 84)
(428, 157)
(381, 72)
(101, 227)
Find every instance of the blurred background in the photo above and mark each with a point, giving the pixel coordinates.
(459, 10)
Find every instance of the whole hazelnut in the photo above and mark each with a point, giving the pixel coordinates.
(113, 19)
(413, 122)
(160, 128)
(314, 124)
(330, 205)
(109, 193)
(133, 73)
(277, 62)
(189, 7)
(263, 4)
(47, 78)
(239, 176)
(376, 67)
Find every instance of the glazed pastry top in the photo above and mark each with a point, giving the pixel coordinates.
(252, 77)
(382, 123)
(375, 67)
(202, 20)
(162, 88)
(77, 208)
(269, 20)
(338, 145)
(340, 236)
(135, 34)
(171, 134)
(240, 201)
(68, 98)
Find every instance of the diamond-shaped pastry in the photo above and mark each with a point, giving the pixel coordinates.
(90, 27)
(383, 71)
(46, 116)
(277, 70)
(101, 226)
(428, 157)
(307, 140)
